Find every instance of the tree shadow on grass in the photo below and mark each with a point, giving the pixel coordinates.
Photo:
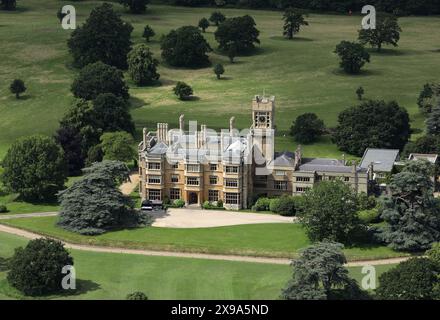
(4, 264)
(136, 103)
(225, 78)
(82, 287)
(362, 73)
(295, 39)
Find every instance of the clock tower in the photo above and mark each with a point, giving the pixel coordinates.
(263, 126)
(263, 112)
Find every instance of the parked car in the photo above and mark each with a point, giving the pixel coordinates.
(150, 205)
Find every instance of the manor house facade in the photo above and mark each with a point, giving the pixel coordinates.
(199, 165)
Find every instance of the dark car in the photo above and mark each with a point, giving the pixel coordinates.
(150, 205)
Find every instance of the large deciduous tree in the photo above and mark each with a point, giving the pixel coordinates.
(293, 20)
(94, 204)
(97, 78)
(185, 47)
(307, 128)
(433, 121)
(319, 274)
(353, 56)
(142, 66)
(103, 37)
(37, 269)
(411, 212)
(8, 4)
(238, 32)
(387, 31)
(217, 17)
(373, 124)
(414, 279)
(329, 212)
(82, 126)
(118, 146)
(35, 168)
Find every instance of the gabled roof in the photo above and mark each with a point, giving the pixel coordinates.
(383, 159)
(425, 156)
(159, 148)
(284, 159)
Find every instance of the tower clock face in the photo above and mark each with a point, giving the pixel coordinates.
(262, 119)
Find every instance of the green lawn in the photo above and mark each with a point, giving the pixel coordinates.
(16, 205)
(112, 276)
(303, 74)
(271, 240)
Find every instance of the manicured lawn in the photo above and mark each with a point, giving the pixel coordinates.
(16, 205)
(112, 276)
(303, 74)
(271, 240)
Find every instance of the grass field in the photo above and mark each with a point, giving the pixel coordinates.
(271, 240)
(303, 74)
(113, 276)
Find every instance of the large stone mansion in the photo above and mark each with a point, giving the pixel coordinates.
(199, 165)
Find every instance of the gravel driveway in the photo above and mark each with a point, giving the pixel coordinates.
(195, 218)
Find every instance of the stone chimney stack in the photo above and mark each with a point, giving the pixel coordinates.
(203, 135)
(162, 132)
(231, 126)
(182, 123)
(144, 137)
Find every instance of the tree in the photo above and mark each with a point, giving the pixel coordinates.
(293, 20)
(329, 212)
(360, 92)
(429, 97)
(148, 33)
(137, 295)
(135, 6)
(37, 269)
(217, 17)
(182, 90)
(142, 67)
(82, 126)
(103, 37)
(185, 47)
(433, 121)
(411, 212)
(112, 114)
(35, 168)
(353, 56)
(219, 70)
(70, 140)
(232, 52)
(60, 14)
(307, 128)
(17, 86)
(203, 24)
(94, 204)
(97, 78)
(8, 4)
(118, 146)
(372, 124)
(319, 274)
(239, 32)
(413, 279)
(387, 31)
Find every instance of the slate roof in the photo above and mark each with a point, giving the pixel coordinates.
(284, 159)
(383, 159)
(326, 165)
